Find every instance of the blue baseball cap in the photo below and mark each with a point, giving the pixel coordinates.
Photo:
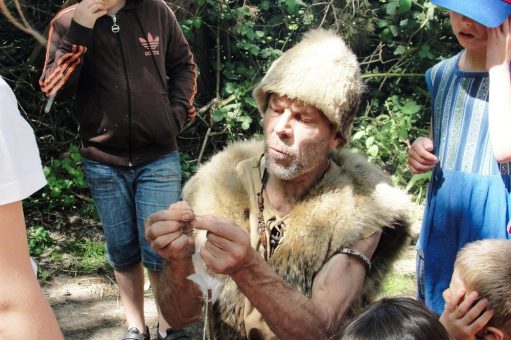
(490, 13)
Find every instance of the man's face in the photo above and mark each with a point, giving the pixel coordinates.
(470, 34)
(297, 137)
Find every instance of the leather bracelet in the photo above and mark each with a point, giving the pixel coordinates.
(357, 254)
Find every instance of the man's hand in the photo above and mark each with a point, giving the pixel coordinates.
(169, 231)
(227, 248)
(420, 156)
(88, 11)
(498, 51)
(464, 316)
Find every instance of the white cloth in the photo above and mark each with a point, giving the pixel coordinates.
(21, 172)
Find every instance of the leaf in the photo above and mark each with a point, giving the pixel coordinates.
(218, 116)
(425, 52)
(250, 101)
(417, 178)
(394, 30)
(254, 50)
(276, 20)
(391, 7)
(265, 5)
(373, 151)
(405, 6)
(230, 88)
(411, 107)
(401, 49)
(369, 141)
(245, 125)
(358, 135)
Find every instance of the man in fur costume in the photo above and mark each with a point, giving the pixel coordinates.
(299, 231)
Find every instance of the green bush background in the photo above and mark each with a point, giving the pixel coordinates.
(234, 42)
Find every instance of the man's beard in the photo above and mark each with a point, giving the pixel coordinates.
(293, 162)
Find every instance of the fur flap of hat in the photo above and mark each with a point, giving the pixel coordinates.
(321, 71)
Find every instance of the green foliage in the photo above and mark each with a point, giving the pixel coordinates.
(395, 40)
(249, 37)
(39, 240)
(67, 188)
(188, 166)
(384, 137)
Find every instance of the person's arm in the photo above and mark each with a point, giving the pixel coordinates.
(169, 234)
(335, 287)
(497, 61)
(67, 44)
(182, 73)
(24, 312)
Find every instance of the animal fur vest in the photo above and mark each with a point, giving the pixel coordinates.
(340, 209)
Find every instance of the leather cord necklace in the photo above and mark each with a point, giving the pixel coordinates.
(274, 230)
(261, 225)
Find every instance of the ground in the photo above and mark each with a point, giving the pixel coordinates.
(88, 307)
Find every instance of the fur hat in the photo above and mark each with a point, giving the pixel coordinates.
(320, 71)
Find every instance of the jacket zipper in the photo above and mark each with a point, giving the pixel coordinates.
(115, 30)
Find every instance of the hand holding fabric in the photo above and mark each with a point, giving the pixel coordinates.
(170, 232)
(420, 155)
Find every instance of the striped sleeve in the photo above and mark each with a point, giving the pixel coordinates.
(64, 53)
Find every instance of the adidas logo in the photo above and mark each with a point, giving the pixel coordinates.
(150, 44)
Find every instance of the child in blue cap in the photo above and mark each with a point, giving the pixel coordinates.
(469, 147)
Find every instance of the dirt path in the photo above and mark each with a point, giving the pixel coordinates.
(88, 307)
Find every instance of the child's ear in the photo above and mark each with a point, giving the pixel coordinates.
(492, 333)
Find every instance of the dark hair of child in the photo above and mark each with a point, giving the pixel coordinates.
(392, 318)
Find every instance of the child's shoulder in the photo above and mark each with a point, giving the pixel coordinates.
(445, 67)
(450, 62)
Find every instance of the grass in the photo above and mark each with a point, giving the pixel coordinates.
(84, 257)
(91, 255)
(397, 284)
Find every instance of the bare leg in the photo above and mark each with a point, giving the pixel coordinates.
(131, 288)
(154, 278)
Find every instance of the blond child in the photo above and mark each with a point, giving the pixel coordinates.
(478, 300)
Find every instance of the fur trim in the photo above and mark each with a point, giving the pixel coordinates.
(321, 71)
(343, 207)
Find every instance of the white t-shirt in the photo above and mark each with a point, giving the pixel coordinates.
(21, 172)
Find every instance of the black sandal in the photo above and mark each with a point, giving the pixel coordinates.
(134, 334)
(173, 334)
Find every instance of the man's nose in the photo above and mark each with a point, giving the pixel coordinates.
(284, 125)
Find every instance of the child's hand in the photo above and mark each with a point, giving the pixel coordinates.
(464, 316)
(420, 155)
(88, 11)
(498, 50)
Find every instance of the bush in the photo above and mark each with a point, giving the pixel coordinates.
(234, 43)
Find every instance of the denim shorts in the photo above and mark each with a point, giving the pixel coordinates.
(125, 197)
